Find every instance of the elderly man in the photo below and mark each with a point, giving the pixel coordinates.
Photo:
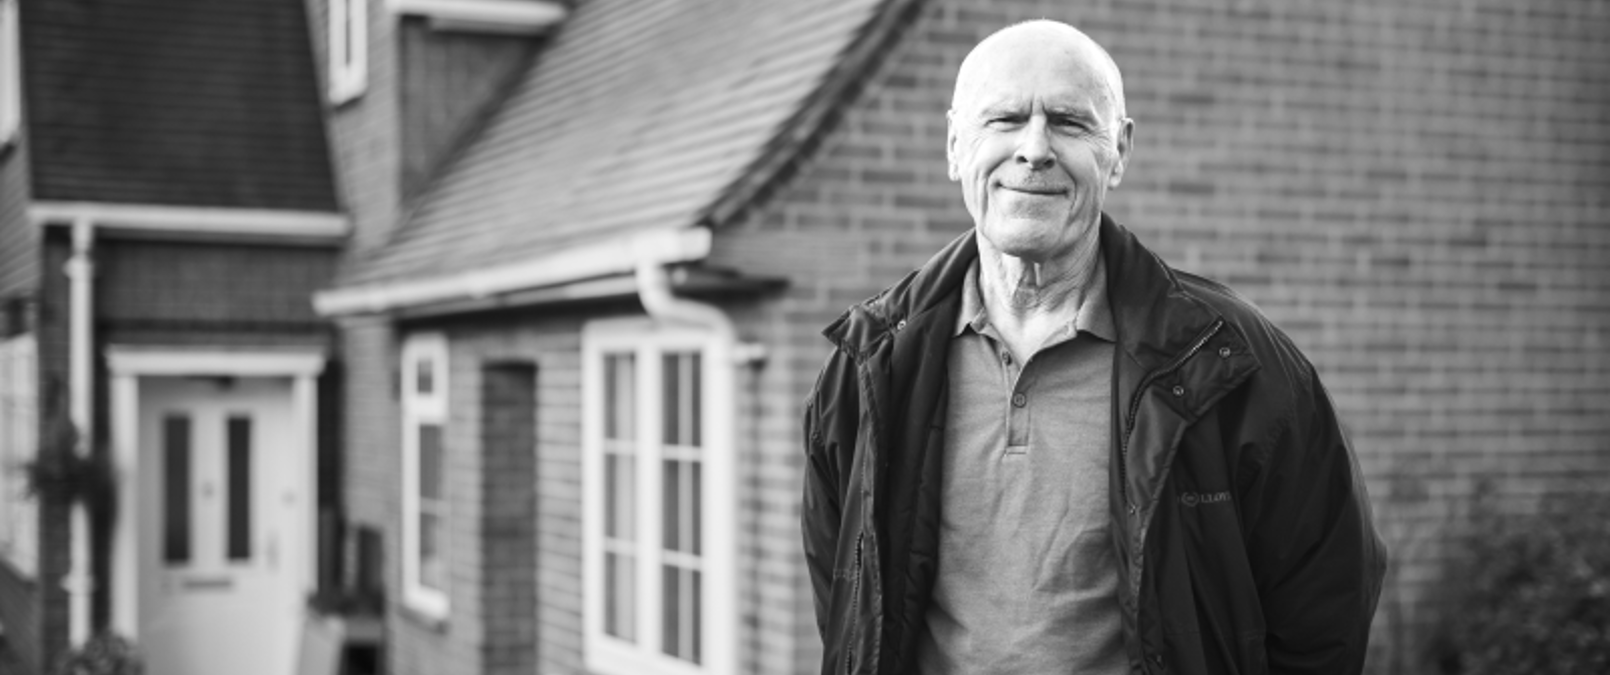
(1046, 451)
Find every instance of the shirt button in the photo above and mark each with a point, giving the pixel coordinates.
(1224, 352)
(1179, 390)
(1019, 399)
(1006, 358)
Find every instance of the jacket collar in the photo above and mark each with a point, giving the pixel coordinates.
(1155, 317)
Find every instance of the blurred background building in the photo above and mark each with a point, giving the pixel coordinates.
(472, 334)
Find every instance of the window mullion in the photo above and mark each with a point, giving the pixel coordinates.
(650, 536)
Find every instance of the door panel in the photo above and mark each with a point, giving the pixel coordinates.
(219, 537)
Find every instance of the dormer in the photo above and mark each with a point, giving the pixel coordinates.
(409, 81)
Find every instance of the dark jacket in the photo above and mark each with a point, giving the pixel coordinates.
(1241, 527)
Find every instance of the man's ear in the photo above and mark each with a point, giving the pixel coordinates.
(1126, 143)
(950, 145)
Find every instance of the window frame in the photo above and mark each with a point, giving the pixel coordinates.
(10, 72)
(649, 341)
(420, 409)
(348, 33)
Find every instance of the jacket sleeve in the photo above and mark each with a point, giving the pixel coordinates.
(829, 423)
(1316, 558)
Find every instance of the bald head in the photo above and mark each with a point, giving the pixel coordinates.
(1038, 40)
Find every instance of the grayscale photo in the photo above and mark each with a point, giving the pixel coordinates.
(804, 337)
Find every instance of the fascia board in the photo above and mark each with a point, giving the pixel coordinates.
(194, 219)
(615, 255)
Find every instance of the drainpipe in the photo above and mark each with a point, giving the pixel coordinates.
(80, 271)
(727, 359)
(654, 291)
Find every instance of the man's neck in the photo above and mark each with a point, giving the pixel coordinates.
(1029, 301)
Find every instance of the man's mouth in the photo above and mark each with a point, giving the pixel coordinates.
(1036, 190)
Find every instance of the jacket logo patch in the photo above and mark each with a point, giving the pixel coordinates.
(1192, 499)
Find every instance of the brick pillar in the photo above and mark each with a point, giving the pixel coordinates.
(509, 517)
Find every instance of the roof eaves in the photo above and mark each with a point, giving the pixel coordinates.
(805, 127)
(556, 267)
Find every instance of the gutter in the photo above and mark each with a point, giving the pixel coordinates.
(654, 290)
(621, 254)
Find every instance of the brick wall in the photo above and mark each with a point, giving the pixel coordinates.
(364, 133)
(1412, 190)
(221, 293)
(508, 493)
(491, 568)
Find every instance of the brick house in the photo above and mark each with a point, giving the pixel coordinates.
(591, 279)
(167, 207)
(591, 245)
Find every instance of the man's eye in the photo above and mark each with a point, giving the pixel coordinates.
(1004, 120)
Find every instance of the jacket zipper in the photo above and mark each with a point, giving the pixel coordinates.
(1134, 405)
(855, 606)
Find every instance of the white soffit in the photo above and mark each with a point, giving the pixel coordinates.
(494, 16)
(194, 219)
(615, 255)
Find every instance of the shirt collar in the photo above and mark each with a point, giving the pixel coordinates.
(1094, 316)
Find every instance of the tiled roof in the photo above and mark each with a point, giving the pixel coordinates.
(641, 114)
(177, 102)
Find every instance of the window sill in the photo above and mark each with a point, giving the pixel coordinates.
(421, 618)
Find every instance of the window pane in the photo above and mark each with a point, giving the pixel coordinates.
(620, 414)
(611, 509)
(620, 595)
(695, 374)
(695, 500)
(620, 497)
(349, 26)
(430, 461)
(424, 376)
(696, 612)
(680, 391)
(431, 565)
(679, 613)
(176, 489)
(240, 488)
(670, 611)
(671, 494)
(671, 399)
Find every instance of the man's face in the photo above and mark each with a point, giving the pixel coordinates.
(1036, 140)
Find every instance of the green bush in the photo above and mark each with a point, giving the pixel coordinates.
(1531, 594)
(104, 654)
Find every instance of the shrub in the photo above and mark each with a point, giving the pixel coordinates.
(104, 654)
(1532, 593)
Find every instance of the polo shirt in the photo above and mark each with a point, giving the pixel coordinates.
(1026, 579)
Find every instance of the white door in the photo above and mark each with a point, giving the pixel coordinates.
(219, 538)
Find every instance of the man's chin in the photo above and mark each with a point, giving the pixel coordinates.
(1029, 238)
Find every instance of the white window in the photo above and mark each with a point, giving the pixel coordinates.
(659, 500)
(349, 42)
(10, 72)
(19, 516)
(424, 489)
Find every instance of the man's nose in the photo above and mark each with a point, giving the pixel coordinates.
(1034, 146)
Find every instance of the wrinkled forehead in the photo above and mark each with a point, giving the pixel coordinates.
(1023, 64)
